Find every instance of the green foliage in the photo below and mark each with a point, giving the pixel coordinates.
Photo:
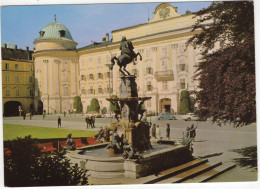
(77, 104)
(88, 109)
(104, 110)
(112, 106)
(185, 105)
(26, 166)
(226, 70)
(94, 105)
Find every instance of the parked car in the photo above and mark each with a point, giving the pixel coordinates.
(108, 115)
(166, 115)
(92, 113)
(190, 117)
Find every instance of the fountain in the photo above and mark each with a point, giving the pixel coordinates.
(130, 152)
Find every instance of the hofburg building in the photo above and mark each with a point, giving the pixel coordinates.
(63, 71)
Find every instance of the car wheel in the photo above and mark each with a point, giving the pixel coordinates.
(189, 119)
(160, 118)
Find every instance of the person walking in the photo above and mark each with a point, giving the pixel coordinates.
(192, 132)
(158, 132)
(168, 130)
(154, 130)
(59, 122)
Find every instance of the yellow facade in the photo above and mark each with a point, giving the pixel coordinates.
(167, 67)
(63, 72)
(17, 86)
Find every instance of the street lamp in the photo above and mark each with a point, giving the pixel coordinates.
(109, 90)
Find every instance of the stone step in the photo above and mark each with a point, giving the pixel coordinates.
(183, 176)
(170, 172)
(211, 173)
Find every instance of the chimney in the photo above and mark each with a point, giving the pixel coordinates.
(5, 45)
(107, 37)
(15, 47)
(27, 48)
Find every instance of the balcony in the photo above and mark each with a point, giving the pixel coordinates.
(164, 75)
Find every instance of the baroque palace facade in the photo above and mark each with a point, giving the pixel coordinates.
(62, 71)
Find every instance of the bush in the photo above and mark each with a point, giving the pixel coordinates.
(77, 104)
(27, 166)
(94, 105)
(185, 105)
(104, 110)
(113, 107)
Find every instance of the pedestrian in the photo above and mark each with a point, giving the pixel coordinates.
(158, 132)
(154, 130)
(59, 122)
(192, 132)
(168, 131)
(86, 120)
(24, 116)
(30, 115)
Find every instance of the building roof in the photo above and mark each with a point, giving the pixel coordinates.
(53, 31)
(16, 54)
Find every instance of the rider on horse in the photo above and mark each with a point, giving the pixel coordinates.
(126, 48)
(127, 56)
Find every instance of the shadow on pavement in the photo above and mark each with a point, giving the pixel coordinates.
(200, 140)
(211, 155)
(249, 157)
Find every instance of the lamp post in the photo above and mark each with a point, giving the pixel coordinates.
(109, 90)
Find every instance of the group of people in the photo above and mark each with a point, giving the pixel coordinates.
(90, 121)
(156, 132)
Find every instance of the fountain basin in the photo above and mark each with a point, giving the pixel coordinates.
(100, 165)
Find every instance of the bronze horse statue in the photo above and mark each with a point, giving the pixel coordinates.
(123, 60)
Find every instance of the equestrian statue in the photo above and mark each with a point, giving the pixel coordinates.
(127, 56)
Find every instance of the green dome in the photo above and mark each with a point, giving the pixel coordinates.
(55, 31)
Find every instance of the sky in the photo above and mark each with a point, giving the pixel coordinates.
(21, 24)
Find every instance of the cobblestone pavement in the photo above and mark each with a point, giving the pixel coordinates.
(212, 141)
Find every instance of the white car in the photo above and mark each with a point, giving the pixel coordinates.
(190, 117)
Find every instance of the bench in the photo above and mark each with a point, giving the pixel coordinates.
(92, 140)
(7, 151)
(78, 142)
(62, 143)
(46, 147)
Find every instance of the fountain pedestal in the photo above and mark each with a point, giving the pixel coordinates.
(129, 110)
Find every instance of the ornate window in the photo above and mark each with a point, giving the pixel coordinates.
(16, 67)
(31, 92)
(100, 90)
(91, 76)
(164, 65)
(165, 85)
(7, 92)
(7, 78)
(100, 76)
(30, 79)
(17, 92)
(83, 77)
(7, 67)
(149, 86)
(62, 33)
(17, 79)
(182, 83)
(83, 91)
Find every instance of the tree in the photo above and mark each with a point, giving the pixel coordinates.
(226, 71)
(27, 166)
(94, 105)
(77, 104)
(185, 105)
(104, 110)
